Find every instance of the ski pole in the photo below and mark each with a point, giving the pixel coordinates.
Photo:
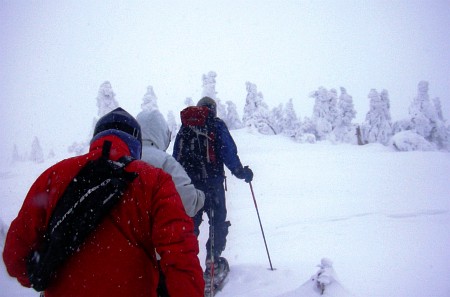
(259, 218)
(212, 247)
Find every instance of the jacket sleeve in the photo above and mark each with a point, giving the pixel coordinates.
(27, 229)
(176, 147)
(174, 240)
(193, 199)
(228, 149)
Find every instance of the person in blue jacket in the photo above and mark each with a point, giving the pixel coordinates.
(212, 183)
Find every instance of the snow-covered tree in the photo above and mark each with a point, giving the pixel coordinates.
(438, 106)
(320, 109)
(256, 113)
(150, 100)
(36, 154)
(233, 121)
(384, 96)
(402, 125)
(334, 112)
(15, 154)
(172, 124)
(324, 277)
(106, 100)
(422, 112)
(209, 85)
(324, 282)
(411, 141)
(221, 110)
(307, 126)
(189, 102)
(440, 136)
(324, 113)
(377, 126)
(291, 122)
(250, 102)
(426, 117)
(305, 132)
(209, 90)
(346, 108)
(344, 131)
(276, 118)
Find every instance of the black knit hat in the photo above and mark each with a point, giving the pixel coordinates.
(120, 123)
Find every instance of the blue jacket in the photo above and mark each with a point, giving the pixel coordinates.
(226, 154)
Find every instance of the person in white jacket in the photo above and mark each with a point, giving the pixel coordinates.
(155, 141)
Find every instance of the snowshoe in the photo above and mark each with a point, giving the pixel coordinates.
(220, 270)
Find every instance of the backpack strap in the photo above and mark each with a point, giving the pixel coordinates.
(86, 201)
(106, 149)
(120, 164)
(124, 161)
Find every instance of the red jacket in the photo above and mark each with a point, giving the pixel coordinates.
(118, 258)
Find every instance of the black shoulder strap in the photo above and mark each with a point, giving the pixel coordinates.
(87, 200)
(106, 149)
(124, 161)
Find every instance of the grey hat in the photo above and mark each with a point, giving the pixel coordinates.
(210, 103)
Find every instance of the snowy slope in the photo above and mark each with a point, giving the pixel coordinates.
(381, 216)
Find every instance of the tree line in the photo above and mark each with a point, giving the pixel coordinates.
(331, 120)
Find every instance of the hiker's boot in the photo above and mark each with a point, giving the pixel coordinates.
(219, 270)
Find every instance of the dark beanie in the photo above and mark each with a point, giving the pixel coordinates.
(210, 103)
(120, 123)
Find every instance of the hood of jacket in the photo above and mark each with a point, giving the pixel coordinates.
(155, 131)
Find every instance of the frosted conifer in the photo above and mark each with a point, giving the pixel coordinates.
(150, 100)
(36, 154)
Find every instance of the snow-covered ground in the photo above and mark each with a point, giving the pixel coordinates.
(382, 217)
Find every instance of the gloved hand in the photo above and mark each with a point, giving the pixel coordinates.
(244, 173)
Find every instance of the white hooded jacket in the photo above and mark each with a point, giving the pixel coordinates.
(155, 141)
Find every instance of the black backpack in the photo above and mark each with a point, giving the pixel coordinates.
(89, 197)
(197, 143)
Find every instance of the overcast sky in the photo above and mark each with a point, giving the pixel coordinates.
(55, 54)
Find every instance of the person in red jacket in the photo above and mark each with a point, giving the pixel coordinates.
(118, 258)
